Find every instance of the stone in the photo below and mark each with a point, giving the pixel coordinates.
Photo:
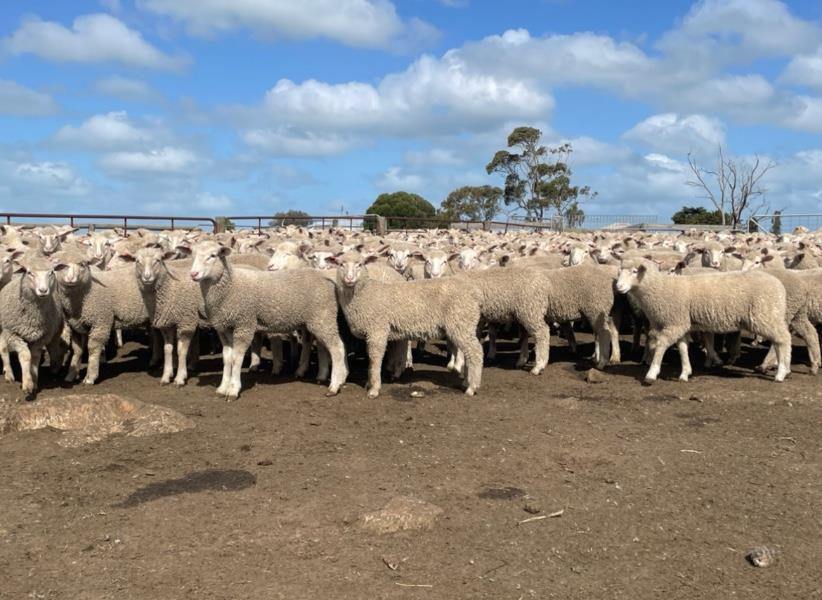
(402, 513)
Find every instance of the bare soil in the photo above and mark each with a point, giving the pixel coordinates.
(664, 488)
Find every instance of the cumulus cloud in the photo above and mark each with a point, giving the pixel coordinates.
(168, 160)
(288, 141)
(675, 134)
(19, 100)
(359, 23)
(132, 90)
(92, 38)
(27, 179)
(396, 179)
(101, 132)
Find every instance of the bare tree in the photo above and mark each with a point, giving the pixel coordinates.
(733, 186)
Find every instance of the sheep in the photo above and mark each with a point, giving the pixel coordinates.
(177, 306)
(717, 256)
(51, 238)
(239, 303)
(94, 303)
(381, 312)
(798, 296)
(674, 306)
(30, 320)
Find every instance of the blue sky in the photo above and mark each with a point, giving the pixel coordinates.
(255, 106)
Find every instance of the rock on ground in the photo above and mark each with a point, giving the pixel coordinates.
(400, 514)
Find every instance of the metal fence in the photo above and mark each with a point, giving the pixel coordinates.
(90, 222)
(779, 223)
(260, 222)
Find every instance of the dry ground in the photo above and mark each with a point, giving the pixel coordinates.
(664, 489)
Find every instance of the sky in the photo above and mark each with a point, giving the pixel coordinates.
(239, 107)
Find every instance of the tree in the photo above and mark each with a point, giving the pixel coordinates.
(733, 186)
(290, 217)
(224, 224)
(574, 216)
(403, 204)
(776, 223)
(531, 182)
(469, 203)
(697, 215)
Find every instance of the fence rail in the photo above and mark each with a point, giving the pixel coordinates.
(784, 223)
(87, 221)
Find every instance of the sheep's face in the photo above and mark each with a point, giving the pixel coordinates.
(351, 267)
(100, 248)
(208, 260)
(282, 255)
(38, 277)
(7, 263)
(148, 264)
(758, 260)
(576, 254)
(436, 263)
(631, 274)
(713, 255)
(319, 259)
(399, 258)
(468, 259)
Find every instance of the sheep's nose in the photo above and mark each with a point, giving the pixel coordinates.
(195, 275)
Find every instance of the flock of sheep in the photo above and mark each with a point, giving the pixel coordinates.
(66, 294)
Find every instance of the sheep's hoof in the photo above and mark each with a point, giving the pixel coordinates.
(9, 378)
(165, 381)
(221, 391)
(332, 392)
(373, 393)
(30, 395)
(814, 369)
(649, 380)
(521, 364)
(470, 391)
(300, 373)
(683, 377)
(88, 381)
(179, 383)
(536, 371)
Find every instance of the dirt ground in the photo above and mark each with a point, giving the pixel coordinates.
(664, 488)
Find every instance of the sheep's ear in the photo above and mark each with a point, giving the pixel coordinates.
(534, 250)
(258, 242)
(169, 255)
(616, 255)
(369, 259)
(418, 254)
(730, 250)
(126, 256)
(332, 260)
(767, 258)
(270, 250)
(680, 266)
(504, 259)
(453, 256)
(224, 251)
(60, 266)
(738, 255)
(15, 254)
(21, 268)
(66, 232)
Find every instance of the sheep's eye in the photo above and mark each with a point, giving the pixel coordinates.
(634, 271)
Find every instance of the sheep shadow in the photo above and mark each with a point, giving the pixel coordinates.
(218, 480)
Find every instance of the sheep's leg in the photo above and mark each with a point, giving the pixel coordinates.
(684, 359)
(805, 330)
(663, 339)
(36, 356)
(183, 344)
(637, 337)
(712, 359)
(783, 355)
(603, 340)
(376, 351)
(96, 346)
(471, 348)
(396, 357)
(276, 343)
(305, 352)
(524, 348)
(156, 348)
(240, 343)
(256, 347)
(226, 339)
(542, 342)
(334, 347)
(452, 358)
(78, 342)
(770, 361)
(56, 351)
(323, 363)
(118, 336)
(8, 373)
(492, 341)
(420, 347)
(24, 355)
(168, 355)
(613, 331)
(733, 342)
(409, 357)
(568, 333)
(193, 355)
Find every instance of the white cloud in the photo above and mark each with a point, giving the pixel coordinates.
(437, 157)
(213, 202)
(395, 179)
(359, 23)
(124, 88)
(741, 30)
(109, 131)
(675, 134)
(285, 141)
(92, 38)
(805, 69)
(162, 161)
(19, 100)
(26, 179)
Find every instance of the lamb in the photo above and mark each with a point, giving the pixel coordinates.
(381, 312)
(93, 304)
(177, 304)
(239, 303)
(674, 306)
(30, 320)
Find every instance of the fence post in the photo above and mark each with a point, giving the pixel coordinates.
(382, 225)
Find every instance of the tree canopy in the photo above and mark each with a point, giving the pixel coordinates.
(698, 215)
(403, 204)
(472, 203)
(538, 178)
(290, 217)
